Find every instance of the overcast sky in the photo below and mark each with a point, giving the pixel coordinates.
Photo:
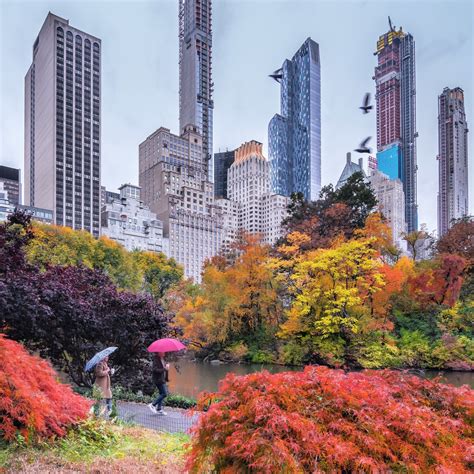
(251, 39)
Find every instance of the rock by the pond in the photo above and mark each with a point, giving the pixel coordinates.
(216, 362)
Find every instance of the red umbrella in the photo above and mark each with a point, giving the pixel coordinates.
(166, 345)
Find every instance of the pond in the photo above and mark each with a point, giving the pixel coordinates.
(195, 377)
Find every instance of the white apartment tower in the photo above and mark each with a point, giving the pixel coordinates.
(195, 72)
(175, 185)
(128, 221)
(391, 203)
(453, 195)
(248, 184)
(62, 125)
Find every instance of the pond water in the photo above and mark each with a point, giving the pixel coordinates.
(195, 377)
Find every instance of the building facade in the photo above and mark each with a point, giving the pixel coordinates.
(8, 206)
(131, 223)
(259, 210)
(10, 177)
(195, 73)
(63, 125)
(349, 169)
(396, 114)
(106, 196)
(294, 135)
(173, 176)
(222, 163)
(391, 203)
(453, 192)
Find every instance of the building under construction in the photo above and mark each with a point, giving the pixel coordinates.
(396, 114)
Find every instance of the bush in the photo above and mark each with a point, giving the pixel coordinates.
(33, 404)
(260, 357)
(68, 313)
(323, 420)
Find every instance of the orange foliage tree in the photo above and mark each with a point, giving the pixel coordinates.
(440, 283)
(32, 402)
(238, 303)
(324, 420)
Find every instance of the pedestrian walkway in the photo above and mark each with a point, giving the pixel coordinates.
(176, 421)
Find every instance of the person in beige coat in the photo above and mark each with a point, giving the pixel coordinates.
(102, 374)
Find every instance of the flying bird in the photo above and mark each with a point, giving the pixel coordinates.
(366, 105)
(363, 148)
(277, 75)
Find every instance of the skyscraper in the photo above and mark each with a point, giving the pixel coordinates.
(175, 186)
(259, 211)
(195, 72)
(62, 125)
(396, 114)
(452, 157)
(294, 135)
(222, 163)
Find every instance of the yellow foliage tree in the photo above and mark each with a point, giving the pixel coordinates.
(137, 270)
(332, 292)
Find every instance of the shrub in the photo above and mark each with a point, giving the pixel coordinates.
(68, 313)
(260, 357)
(33, 404)
(323, 420)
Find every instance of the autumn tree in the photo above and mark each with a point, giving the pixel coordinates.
(338, 212)
(459, 240)
(33, 404)
(67, 313)
(238, 305)
(419, 242)
(439, 281)
(137, 271)
(332, 291)
(326, 421)
(159, 272)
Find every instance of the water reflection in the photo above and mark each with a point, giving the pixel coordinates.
(195, 377)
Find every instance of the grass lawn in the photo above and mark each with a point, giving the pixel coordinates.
(99, 447)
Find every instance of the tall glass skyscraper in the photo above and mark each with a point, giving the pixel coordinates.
(294, 136)
(195, 72)
(396, 114)
(222, 162)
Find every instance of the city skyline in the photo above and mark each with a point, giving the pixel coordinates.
(122, 149)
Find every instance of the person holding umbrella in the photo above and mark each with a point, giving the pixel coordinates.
(161, 369)
(160, 378)
(102, 373)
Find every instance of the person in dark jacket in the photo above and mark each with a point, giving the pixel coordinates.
(160, 377)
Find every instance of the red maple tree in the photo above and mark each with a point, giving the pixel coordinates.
(440, 284)
(323, 420)
(32, 402)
